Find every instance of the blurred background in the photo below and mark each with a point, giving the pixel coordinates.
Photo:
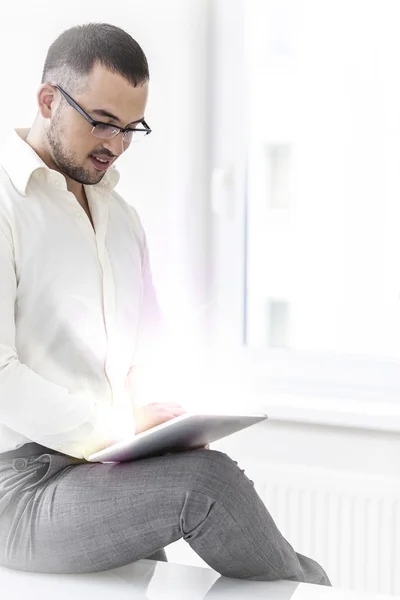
(270, 193)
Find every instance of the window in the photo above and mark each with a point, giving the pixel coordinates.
(317, 194)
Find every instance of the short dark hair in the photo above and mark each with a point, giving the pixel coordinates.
(75, 52)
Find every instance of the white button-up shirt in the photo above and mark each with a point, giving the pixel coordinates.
(73, 303)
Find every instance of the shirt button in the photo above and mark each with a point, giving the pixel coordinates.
(78, 215)
(19, 464)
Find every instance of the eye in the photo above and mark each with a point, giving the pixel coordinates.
(106, 127)
(106, 131)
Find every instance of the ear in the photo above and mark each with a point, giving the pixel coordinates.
(47, 101)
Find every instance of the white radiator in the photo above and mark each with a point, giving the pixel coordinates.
(349, 523)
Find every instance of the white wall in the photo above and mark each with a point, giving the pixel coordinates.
(165, 177)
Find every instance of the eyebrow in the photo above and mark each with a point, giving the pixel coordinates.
(104, 113)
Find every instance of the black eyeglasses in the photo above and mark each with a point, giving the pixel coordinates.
(106, 131)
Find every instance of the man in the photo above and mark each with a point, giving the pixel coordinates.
(77, 310)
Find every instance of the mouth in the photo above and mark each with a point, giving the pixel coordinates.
(101, 163)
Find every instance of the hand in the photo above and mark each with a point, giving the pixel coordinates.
(153, 414)
(150, 415)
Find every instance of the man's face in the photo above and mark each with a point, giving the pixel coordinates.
(71, 143)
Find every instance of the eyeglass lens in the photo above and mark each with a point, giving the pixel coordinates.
(108, 132)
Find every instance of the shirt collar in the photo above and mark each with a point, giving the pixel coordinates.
(20, 161)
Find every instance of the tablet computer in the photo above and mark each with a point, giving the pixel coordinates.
(186, 432)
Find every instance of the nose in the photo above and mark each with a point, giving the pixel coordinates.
(115, 145)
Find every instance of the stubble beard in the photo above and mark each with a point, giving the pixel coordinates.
(63, 160)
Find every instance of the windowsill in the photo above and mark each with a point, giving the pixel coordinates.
(331, 412)
(309, 387)
(323, 388)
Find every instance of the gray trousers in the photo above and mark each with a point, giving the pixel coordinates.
(64, 515)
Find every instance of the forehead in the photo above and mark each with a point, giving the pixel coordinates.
(112, 92)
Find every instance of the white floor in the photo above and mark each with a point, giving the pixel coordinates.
(151, 580)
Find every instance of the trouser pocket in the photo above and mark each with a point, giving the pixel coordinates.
(28, 474)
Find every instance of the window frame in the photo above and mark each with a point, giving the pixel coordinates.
(313, 387)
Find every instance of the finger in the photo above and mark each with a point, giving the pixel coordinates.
(162, 410)
(168, 405)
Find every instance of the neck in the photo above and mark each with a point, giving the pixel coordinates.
(37, 140)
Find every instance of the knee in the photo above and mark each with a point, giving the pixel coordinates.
(211, 471)
(207, 475)
(214, 460)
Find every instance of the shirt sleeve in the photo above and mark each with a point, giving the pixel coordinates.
(151, 341)
(34, 407)
(147, 371)
(152, 331)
